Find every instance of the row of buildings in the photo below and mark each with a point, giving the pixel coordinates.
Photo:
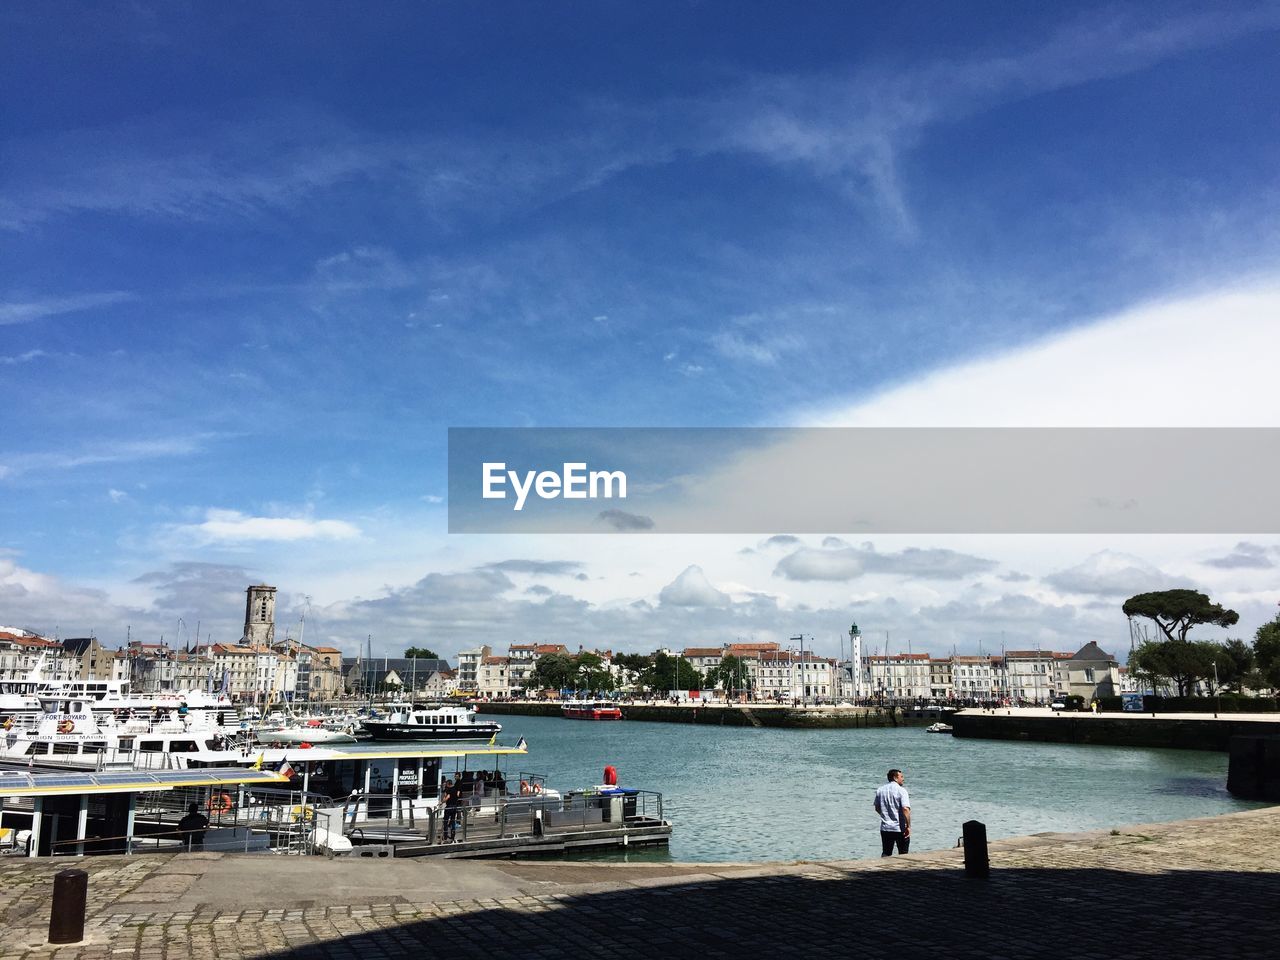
(262, 668)
(770, 672)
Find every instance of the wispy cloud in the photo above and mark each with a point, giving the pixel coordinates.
(23, 357)
(766, 351)
(120, 452)
(29, 311)
(232, 526)
(849, 129)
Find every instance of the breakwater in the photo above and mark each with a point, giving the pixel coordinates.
(736, 714)
(1182, 732)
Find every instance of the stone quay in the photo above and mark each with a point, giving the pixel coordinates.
(1203, 887)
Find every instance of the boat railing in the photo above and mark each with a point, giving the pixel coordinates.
(241, 820)
(387, 819)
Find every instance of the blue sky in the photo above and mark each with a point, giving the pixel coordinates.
(256, 263)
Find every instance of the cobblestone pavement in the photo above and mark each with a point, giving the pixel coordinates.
(1206, 887)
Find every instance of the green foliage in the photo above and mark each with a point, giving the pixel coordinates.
(1176, 611)
(1266, 650)
(554, 671)
(558, 671)
(671, 673)
(1184, 663)
(637, 662)
(420, 653)
(733, 673)
(1235, 664)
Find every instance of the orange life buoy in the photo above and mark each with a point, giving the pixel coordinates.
(66, 726)
(221, 803)
(610, 776)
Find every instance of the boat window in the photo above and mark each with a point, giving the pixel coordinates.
(31, 748)
(93, 747)
(126, 743)
(182, 746)
(152, 746)
(65, 748)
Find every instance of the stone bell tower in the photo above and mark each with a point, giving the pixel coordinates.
(260, 615)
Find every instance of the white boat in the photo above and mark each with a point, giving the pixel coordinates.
(938, 728)
(431, 722)
(299, 733)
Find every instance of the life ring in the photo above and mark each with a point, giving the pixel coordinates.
(221, 803)
(66, 726)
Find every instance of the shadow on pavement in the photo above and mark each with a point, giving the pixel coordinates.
(900, 913)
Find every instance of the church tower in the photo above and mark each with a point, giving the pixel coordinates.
(260, 615)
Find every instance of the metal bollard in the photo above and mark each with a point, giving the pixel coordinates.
(977, 864)
(66, 919)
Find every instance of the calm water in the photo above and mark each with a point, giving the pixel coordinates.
(737, 793)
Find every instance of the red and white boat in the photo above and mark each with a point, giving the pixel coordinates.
(590, 710)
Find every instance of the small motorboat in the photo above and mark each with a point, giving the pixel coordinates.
(590, 710)
(938, 728)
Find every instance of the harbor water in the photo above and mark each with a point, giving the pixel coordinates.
(750, 794)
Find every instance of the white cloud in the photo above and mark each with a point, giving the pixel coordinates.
(31, 310)
(117, 496)
(766, 351)
(26, 357)
(231, 526)
(1112, 574)
(839, 562)
(1245, 556)
(692, 589)
(1201, 361)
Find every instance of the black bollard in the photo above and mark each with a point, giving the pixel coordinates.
(976, 862)
(66, 919)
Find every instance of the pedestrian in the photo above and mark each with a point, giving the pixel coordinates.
(192, 828)
(894, 806)
(452, 807)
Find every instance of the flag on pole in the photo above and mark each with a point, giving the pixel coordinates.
(257, 764)
(285, 770)
(522, 744)
(493, 740)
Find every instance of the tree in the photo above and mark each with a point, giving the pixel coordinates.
(420, 653)
(733, 673)
(554, 671)
(671, 673)
(591, 673)
(1266, 651)
(1175, 612)
(1235, 664)
(638, 662)
(1183, 662)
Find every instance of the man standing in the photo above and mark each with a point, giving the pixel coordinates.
(191, 828)
(894, 806)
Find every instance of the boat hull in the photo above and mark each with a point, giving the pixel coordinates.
(384, 730)
(608, 713)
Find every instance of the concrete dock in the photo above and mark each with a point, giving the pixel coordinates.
(1157, 890)
(1183, 731)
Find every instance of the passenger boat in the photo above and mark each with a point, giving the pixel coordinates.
(431, 722)
(590, 710)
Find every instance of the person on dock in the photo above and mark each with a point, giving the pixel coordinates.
(192, 828)
(893, 803)
(452, 807)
